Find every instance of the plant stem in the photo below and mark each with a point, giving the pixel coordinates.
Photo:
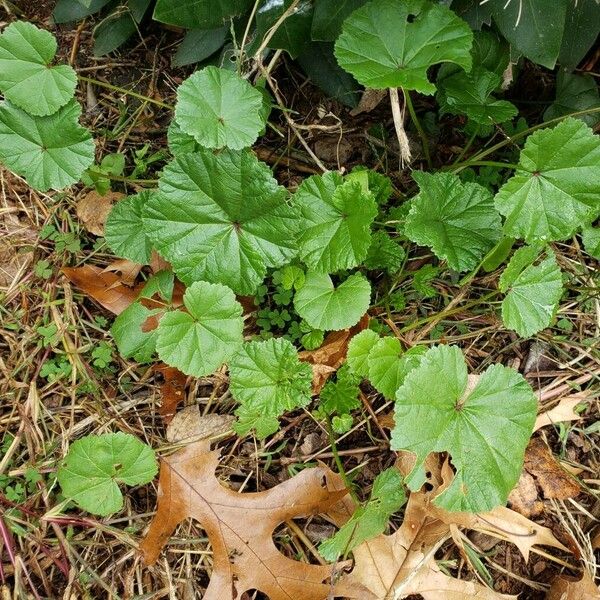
(467, 146)
(116, 88)
(417, 123)
(338, 461)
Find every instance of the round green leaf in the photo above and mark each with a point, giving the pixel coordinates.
(484, 426)
(124, 230)
(49, 152)
(267, 379)
(219, 109)
(221, 218)
(358, 352)
(199, 341)
(337, 220)
(26, 77)
(95, 466)
(323, 306)
(456, 220)
(556, 191)
(388, 44)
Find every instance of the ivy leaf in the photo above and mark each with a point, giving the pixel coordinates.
(358, 352)
(456, 220)
(574, 93)
(199, 15)
(128, 331)
(484, 427)
(341, 397)
(124, 229)
(384, 253)
(95, 466)
(532, 292)
(470, 94)
(389, 365)
(219, 109)
(337, 218)
(324, 306)
(556, 189)
(388, 44)
(267, 379)
(221, 218)
(370, 520)
(199, 341)
(26, 77)
(591, 240)
(49, 152)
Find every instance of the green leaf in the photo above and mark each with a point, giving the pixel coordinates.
(180, 142)
(385, 253)
(470, 94)
(485, 426)
(490, 51)
(68, 10)
(340, 396)
(533, 27)
(127, 330)
(498, 254)
(113, 32)
(369, 520)
(198, 45)
(219, 109)
(206, 14)
(324, 306)
(329, 16)
(532, 295)
(358, 352)
(293, 34)
(582, 26)
(26, 77)
(388, 44)
(456, 220)
(199, 341)
(557, 189)
(337, 217)
(267, 379)
(124, 230)
(95, 466)
(473, 12)
(389, 365)
(221, 218)
(342, 424)
(574, 93)
(49, 152)
(591, 240)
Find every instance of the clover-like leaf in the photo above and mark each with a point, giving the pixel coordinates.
(124, 229)
(26, 77)
(388, 364)
(337, 218)
(95, 466)
(470, 94)
(369, 520)
(483, 423)
(219, 109)
(267, 378)
(49, 152)
(358, 351)
(221, 218)
(199, 341)
(388, 44)
(456, 220)
(324, 306)
(532, 291)
(556, 189)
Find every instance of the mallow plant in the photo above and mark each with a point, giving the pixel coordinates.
(224, 223)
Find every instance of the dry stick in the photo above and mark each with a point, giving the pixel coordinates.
(398, 115)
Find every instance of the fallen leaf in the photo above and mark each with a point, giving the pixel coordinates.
(172, 390)
(93, 210)
(369, 100)
(524, 497)
(552, 479)
(240, 526)
(189, 424)
(104, 287)
(127, 269)
(569, 588)
(563, 411)
(158, 263)
(330, 356)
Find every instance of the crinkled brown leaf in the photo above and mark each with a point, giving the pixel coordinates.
(188, 424)
(126, 269)
(569, 588)
(331, 355)
(104, 287)
(524, 498)
(172, 390)
(93, 209)
(240, 525)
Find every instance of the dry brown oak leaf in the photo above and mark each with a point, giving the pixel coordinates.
(240, 526)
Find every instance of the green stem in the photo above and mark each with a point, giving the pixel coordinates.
(417, 123)
(468, 145)
(116, 88)
(338, 461)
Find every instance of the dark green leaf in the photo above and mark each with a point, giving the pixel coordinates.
(575, 93)
(199, 14)
(581, 30)
(198, 45)
(111, 33)
(329, 16)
